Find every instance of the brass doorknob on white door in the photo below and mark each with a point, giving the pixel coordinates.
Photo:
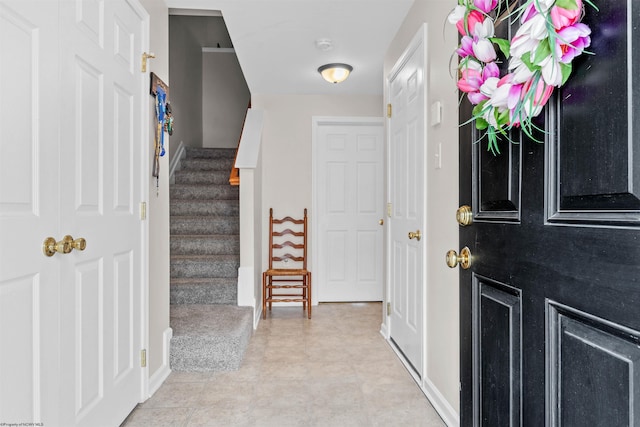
(464, 259)
(79, 244)
(50, 247)
(417, 235)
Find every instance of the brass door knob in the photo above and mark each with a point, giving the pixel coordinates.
(381, 222)
(464, 215)
(464, 259)
(417, 235)
(79, 244)
(50, 246)
(64, 246)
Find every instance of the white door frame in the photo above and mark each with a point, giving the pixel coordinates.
(318, 121)
(145, 174)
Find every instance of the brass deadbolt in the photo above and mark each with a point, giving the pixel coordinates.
(464, 215)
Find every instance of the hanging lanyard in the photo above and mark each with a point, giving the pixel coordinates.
(161, 102)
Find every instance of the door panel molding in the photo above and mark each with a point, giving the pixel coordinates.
(497, 352)
(605, 192)
(584, 349)
(497, 180)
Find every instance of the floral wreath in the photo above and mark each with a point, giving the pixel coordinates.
(539, 56)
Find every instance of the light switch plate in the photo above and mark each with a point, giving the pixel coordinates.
(436, 113)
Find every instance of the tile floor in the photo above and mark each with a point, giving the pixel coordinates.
(333, 370)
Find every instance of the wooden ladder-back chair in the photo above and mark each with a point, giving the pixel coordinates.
(287, 245)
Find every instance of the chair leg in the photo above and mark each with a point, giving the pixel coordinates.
(270, 291)
(264, 295)
(304, 293)
(308, 290)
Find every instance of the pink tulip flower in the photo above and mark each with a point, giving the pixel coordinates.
(485, 5)
(561, 17)
(473, 78)
(474, 17)
(572, 40)
(466, 47)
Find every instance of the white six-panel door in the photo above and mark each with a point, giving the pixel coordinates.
(407, 257)
(349, 183)
(101, 189)
(74, 166)
(29, 147)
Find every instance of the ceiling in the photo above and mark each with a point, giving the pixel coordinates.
(275, 41)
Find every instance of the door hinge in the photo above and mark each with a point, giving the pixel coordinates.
(388, 309)
(143, 358)
(388, 111)
(143, 210)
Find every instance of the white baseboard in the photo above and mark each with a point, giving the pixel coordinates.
(163, 372)
(246, 287)
(246, 290)
(437, 400)
(258, 316)
(444, 409)
(384, 331)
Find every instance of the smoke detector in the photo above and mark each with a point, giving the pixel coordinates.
(324, 44)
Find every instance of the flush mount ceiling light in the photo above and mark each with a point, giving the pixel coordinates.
(335, 73)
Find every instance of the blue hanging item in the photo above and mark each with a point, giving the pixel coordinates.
(161, 109)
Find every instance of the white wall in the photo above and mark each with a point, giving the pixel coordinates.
(158, 207)
(442, 370)
(225, 97)
(286, 149)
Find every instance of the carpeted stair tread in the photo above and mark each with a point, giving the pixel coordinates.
(203, 290)
(207, 164)
(201, 177)
(204, 207)
(189, 225)
(224, 257)
(212, 281)
(211, 153)
(210, 192)
(204, 266)
(209, 337)
(215, 244)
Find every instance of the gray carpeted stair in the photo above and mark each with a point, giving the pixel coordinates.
(210, 332)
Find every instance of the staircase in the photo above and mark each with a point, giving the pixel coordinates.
(210, 332)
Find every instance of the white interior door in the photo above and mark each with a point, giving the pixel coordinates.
(349, 182)
(71, 324)
(101, 188)
(407, 197)
(29, 284)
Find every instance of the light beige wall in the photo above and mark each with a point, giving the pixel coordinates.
(286, 148)
(225, 97)
(158, 208)
(442, 333)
